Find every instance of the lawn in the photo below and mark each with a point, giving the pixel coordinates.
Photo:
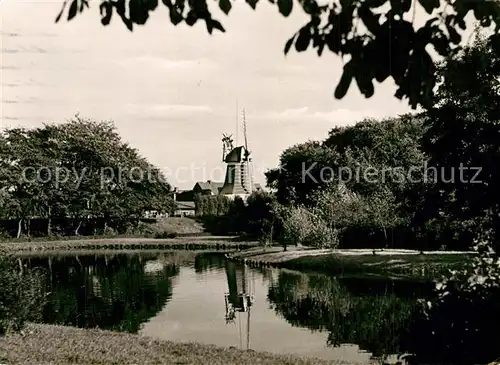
(59, 345)
(394, 263)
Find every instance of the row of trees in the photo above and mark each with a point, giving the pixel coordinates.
(211, 205)
(75, 173)
(262, 217)
(355, 183)
(222, 215)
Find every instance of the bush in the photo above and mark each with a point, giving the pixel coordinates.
(21, 295)
(144, 229)
(4, 235)
(165, 235)
(306, 227)
(322, 236)
(108, 231)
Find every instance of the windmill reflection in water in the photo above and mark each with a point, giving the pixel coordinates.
(240, 297)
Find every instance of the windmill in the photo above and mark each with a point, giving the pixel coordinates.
(238, 180)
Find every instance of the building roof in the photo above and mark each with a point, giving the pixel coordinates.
(185, 205)
(212, 186)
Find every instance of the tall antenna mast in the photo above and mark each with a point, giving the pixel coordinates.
(237, 122)
(247, 152)
(245, 130)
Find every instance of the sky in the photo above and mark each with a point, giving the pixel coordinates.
(172, 91)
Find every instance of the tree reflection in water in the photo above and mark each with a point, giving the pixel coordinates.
(111, 292)
(373, 315)
(385, 318)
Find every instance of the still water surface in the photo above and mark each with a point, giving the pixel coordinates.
(186, 296)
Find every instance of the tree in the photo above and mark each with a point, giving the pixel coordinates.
(22, 159)
(464, 149)
(306, 227)
(259, 215)
(340, 209)
(8, 205)
(462, 141)
(77, 170)
(390, 148)
(115, 181)
(211, 205)
(299, 173)
(361, 178)
(297, 225)
(236, 215)
(380, 43)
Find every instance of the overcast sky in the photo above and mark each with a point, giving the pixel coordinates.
(172, 91)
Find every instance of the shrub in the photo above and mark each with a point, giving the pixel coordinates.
(165, 235)
(21, 295)
(144, 229)
(306, 227)
(4, 235)
(108, 231)
(323, 236)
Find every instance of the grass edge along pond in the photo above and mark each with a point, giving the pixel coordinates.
(126, 243)
(393, 263)
(57, 345)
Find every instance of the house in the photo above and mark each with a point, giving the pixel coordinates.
(207, 188)
(186, 208)
(182, 195)
(184, 199)
(214, 188)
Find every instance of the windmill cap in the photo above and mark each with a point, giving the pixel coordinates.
(237, 154)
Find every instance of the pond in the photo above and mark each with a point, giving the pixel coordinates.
(189, 296)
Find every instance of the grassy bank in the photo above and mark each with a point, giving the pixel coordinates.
(176, 257)
(394, 263)
(57, 345)
(148, 228)
(179, 225)
(128, 243)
